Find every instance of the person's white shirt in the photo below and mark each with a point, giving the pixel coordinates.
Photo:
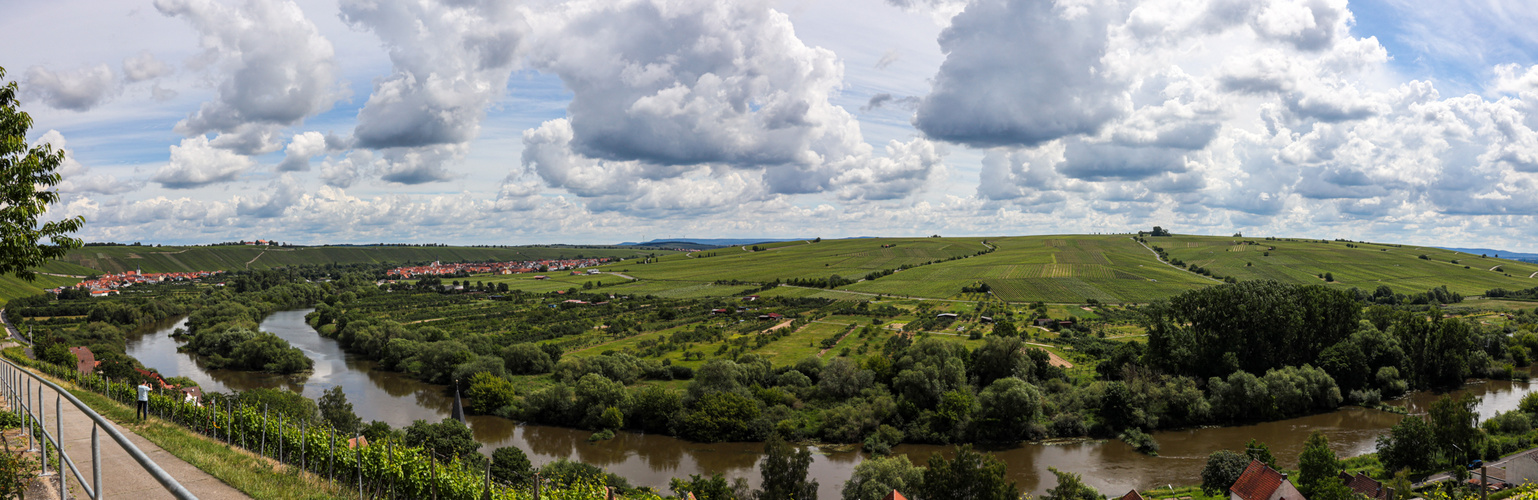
(144, 392)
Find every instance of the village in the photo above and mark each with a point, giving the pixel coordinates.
(109, 284)
(516, 267)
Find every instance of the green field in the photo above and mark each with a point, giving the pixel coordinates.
(1062, 269)
(1364, 265)
(12, 287)
(231, 257)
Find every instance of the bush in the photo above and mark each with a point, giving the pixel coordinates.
(489, 393)
(1140, 441)
(15, 472)
(509, 464)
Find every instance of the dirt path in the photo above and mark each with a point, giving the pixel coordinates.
(786, 324)
(1535, 274)
(835, 344)
(631, 278)
(253, 259)
(1494, 268)
(1161, 259)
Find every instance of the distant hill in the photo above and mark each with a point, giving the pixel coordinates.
(112, 259)
(1525, 257)
(706, 242)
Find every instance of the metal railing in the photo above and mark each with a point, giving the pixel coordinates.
(17, 390)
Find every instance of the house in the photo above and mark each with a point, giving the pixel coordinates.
(985, 319)
(750, 298)
(86, 360)
(1045, 321)
(1132, 495)
(1522, 468)
(357, 442)
(894, 495)
(541, 277)
(1259, 482)
(192, 394)
(1366, 486)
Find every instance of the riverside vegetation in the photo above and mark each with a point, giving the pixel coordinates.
(766, 361)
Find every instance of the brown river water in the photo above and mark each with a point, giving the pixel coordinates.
(651, 460)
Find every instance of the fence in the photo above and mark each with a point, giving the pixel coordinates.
(379, 470)
(17, 385)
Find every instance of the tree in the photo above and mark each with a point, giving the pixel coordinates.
(1317, 466)
(449, 437)
(714, 487)
(1257, 450)
(1223, 468)
(1452, 427)
(876, 477)
(784, 471)
(510, 464)
(23, 170)
(1408, 445)
(337, 411)
(969, 476)
(1070, 487)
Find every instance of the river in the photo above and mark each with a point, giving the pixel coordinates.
(651, 460)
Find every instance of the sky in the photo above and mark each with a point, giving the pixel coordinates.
(526, 122)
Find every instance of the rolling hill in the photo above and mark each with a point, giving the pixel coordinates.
(1070, 268)
(115, 259)
(1053, 268)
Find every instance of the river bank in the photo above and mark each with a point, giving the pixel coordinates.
(1112, 467)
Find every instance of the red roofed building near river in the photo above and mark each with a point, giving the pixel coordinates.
(1259, 482)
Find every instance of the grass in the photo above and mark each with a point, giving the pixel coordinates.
(256, 476)
(1362, 265)
(12, 287)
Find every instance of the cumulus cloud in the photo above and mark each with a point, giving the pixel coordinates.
(714, 94)
(144, 67)
(276, 70)
(883, 99)
(1024, 73)
(451, 60)
(296, 157)
(197, 163)
(79, 89)
(274, 201)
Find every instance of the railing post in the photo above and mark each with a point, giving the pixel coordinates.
(282, 436)
(95, 463)
(58, 438)
(30, 418)
(331, 459)
(263, 450)
(303, 438)
(42, 428)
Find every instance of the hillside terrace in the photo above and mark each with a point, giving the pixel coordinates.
(518, 267)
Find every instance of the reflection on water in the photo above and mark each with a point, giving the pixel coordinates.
(651, 460)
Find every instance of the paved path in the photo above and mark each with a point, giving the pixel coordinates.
(121, 476)
(1161, 259)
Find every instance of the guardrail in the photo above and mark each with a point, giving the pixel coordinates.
(17, 390)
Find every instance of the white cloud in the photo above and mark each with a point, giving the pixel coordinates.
(144, 67)
(79, 89)
(716, 94)
(197, 163)
(276, 70)
(296, 157)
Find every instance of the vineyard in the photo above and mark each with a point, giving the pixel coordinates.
(379, 470)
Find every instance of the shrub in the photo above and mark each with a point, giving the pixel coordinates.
(488, 393)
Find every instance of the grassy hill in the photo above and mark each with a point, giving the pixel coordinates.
(232, 258)
(1061, 268)
(1054, 268)
(1360, 265)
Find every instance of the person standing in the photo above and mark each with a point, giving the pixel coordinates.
(144, 401)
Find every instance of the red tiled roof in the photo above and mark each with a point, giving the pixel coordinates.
(1365, 486)
(1132, 495)
(894, 495)
(1257, 483)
